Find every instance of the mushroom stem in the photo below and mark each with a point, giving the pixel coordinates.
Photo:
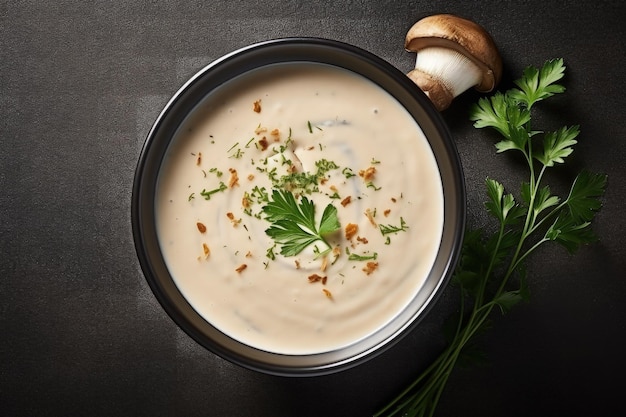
(443, 74)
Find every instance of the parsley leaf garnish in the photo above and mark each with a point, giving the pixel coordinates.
(294, 225)
(539, 84)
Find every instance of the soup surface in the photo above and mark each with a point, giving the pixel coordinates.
(300, 208)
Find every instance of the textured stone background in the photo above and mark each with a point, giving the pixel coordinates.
(80, 331)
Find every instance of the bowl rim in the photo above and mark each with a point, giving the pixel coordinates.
(182, 102)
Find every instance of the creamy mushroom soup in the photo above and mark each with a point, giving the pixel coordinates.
(235, 204)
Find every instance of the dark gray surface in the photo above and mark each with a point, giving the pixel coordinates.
(81, 333)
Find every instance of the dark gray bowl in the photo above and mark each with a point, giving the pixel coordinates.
(184, 102)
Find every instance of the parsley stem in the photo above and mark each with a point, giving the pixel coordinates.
(435, 377)
(530, 215)
(528, 252)
(548, 216)
(483, 285)
(407, 391)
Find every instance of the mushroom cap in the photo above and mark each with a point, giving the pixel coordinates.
(440, 96)
(462, 35)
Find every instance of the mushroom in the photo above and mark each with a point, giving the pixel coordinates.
(453, 54)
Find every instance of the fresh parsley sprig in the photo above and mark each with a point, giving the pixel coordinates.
(294, 224)
(491, 270)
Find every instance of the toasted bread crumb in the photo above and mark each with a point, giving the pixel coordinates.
(370, 217)
(315, 278)
(367, 174)
(264, 143)
(234, 178)
(324, 264)
(233, 219)
(370, 267)
(351, 230)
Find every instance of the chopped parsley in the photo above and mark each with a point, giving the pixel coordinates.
(207, 194)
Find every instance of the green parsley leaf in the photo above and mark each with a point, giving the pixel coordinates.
(294, 224)
(500, 205)
(544, 200)
(584, 197)
(508, 299)
(491, 112)
(502, 113)
(557, 145)
(569, 233)
(536, 85)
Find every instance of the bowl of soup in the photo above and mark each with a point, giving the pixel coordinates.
(298, 206)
